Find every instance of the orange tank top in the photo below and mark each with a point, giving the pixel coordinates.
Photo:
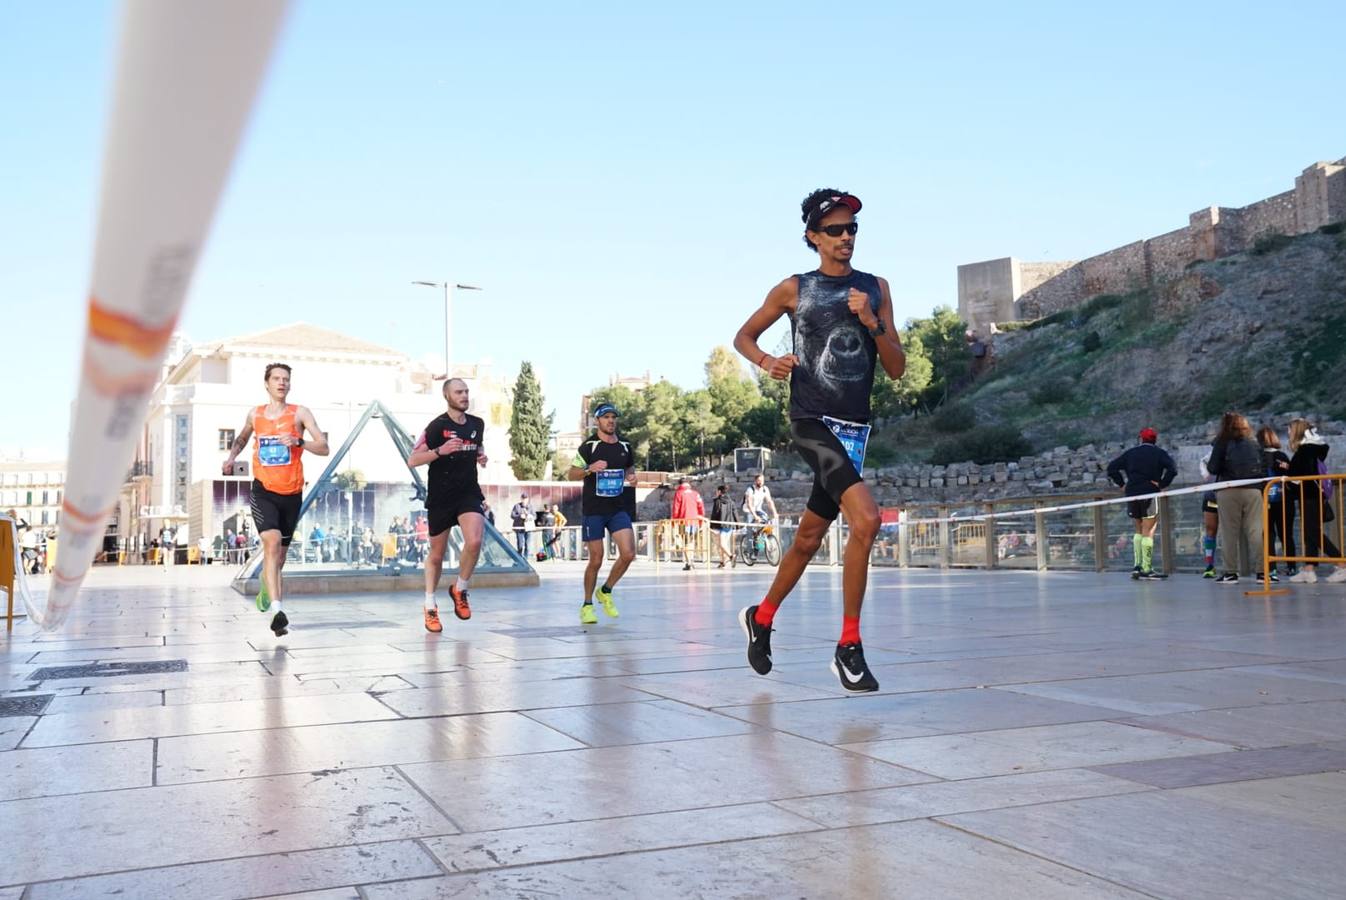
(275, 465)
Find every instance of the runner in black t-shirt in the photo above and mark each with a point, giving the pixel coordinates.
(841, 321)
(452, 445)
(607, 466)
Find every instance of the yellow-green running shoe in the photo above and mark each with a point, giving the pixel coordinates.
(263, 599)
(587, 615)
(605, 598)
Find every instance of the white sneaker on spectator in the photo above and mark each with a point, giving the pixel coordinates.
(1337, 576)
(1306, 575)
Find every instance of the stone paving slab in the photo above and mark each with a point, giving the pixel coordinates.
(915, 859)
(1174, 846)
(1059, 735)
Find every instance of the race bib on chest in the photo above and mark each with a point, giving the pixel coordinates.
(609, 482)
(272, 452)
(854, 438)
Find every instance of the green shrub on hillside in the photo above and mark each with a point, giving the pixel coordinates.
(1049, 392)
(1270, 243)
(988, 444)
(952, 418)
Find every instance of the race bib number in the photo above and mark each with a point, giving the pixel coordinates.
(609, 482)
(853, 436)
(272, 452)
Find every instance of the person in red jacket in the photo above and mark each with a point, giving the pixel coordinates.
(688, 511)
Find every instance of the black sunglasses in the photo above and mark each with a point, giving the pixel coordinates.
(838, 230)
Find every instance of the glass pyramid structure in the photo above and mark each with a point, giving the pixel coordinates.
(359, 533)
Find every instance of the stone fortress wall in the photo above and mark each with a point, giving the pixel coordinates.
(1009, 289)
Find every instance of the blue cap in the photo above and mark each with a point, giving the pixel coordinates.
(605, 408)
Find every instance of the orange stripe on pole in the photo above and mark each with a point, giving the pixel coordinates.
(115, 328)
(79, 515)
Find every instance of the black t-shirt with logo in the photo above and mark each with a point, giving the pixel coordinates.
(604, 491)
(454, 475)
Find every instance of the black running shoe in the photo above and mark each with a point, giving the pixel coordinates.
(280, 624)
(849, 666)
(759, 640)
(1228, 578)
(1152, 575)
(1136, 573)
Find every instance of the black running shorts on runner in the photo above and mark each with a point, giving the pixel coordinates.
(275, 512)
(833, 472)
(1209, 504)
(442, 518)
(1140, 509)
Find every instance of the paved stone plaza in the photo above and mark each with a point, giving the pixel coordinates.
(1054, 736)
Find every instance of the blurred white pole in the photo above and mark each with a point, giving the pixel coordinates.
(187, 74)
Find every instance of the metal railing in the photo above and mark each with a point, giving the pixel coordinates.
(1307, 502)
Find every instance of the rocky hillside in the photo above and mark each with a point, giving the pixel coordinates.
(1263, 332)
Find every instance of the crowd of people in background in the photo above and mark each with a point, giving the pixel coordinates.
(1297, 511)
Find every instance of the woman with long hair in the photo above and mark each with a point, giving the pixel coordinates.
(1308, 449)
(1235, 456)
(1276, 463)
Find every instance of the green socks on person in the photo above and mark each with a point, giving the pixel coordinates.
(1136, 552)
(1147, 554)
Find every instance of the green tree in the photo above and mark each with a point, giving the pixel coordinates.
(732, 395)
(701, 427)
(943, 337)
(529, 429)
(768, 423)
(891, 398)
(663, 425)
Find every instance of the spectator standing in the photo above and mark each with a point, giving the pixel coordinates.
(1276, 464)
(1309, 458)
(688, 510)
(1236, 456)
(722, 517)
(519, 517)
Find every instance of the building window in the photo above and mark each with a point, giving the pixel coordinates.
(45, 520)
(226, 438)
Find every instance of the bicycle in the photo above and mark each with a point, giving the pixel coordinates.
(759, 540)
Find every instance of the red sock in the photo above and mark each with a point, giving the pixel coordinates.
(766, 612)
(850, 630)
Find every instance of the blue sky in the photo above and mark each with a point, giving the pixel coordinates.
(625, 182)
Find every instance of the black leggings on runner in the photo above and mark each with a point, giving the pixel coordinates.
(833, 472)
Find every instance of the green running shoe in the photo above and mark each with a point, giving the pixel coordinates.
(605, 598)
(263, 599)
(587, 615)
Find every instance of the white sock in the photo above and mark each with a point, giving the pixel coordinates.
(430, 601)
(460, 584)
(275, 606)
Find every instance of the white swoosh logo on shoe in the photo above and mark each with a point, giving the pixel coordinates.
(853, 679)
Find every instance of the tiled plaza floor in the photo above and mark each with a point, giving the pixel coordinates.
(1053, 736)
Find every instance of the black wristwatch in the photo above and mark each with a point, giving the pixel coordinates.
(299, 443)
(879, 329)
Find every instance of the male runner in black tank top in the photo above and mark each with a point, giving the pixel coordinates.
(452, 445)
(842, 322)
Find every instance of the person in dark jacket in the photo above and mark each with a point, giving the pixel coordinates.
(1275, 464)
(722, 517)
(1309, 450)
(1144, 469)
(1235, 456)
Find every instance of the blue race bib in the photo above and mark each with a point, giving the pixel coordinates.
(853, 436)
(272, 452)
(609, 482)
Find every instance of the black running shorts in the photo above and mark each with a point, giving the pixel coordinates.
(1140, 509)
(1208, 503)
(275, 512)
(442, 518)
(833, 472)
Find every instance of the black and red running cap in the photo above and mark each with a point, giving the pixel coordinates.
(830, 203)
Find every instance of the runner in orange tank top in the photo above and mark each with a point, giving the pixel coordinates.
(278, 479)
